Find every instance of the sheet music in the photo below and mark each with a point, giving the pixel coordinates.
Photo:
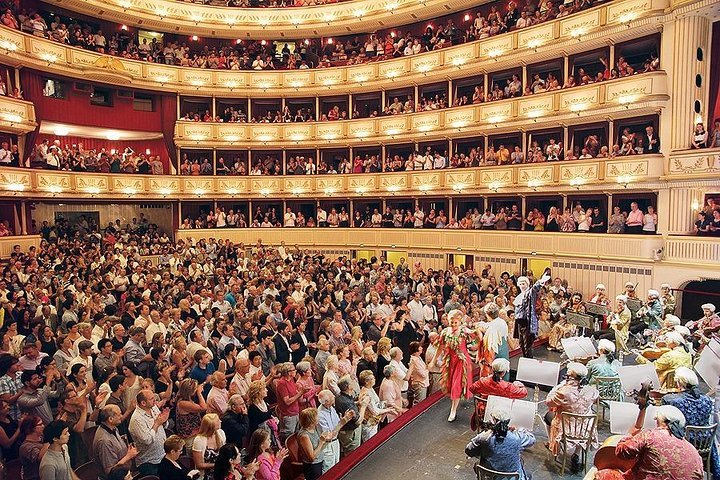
(538, 372)
(632, 376)
(522, 412)
(578, 347)
(708, 365)
(624, 414)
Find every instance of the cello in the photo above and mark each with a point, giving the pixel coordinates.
(605, 457)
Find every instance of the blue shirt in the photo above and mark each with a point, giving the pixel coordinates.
(501, 456)
(201, 375)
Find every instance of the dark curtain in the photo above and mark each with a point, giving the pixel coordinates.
(714, 77)
(32, 86)
(168, 117)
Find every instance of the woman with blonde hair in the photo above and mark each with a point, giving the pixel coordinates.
(356, 344)
(259, 415)
(383, 357)
(375, 410)
(207, 443)
(179, 354)
(189, 409)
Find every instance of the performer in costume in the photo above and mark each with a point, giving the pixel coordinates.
(526, 317)
(457, 367)
(494, 342)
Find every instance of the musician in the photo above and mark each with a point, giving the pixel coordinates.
(495, 385)
(704, 328)
(526, 317)
(572, 395)
(695, 406)
(619, 329)
(678, 356)
(661, 453)
(630, 290)
(605, 365)
(499, 447)
(600, 298)
(667, 299)
(652, 312)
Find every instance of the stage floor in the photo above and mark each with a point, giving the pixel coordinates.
(431, 448)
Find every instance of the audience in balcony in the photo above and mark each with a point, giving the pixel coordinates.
(75, 158)
(708, 219)
(261, 55)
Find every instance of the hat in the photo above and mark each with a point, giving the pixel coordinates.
(666, 285)
(622, 298)
(577, 369)
(600, 286)
(500, 414)
(672, 319)
(682, 330)
(708, 306)
(501, 365)
(630, 285)
(653, 293)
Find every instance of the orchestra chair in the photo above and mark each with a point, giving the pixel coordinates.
(702, 439)
(88, 471)
(610, 390)
(484, 473)
(579, 429)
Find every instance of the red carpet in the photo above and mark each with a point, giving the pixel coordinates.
(356, 457)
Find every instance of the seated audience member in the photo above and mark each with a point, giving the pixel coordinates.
(498, 447)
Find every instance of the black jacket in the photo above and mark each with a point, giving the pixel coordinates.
(236, 426)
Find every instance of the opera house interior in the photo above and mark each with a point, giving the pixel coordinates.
(359, 239)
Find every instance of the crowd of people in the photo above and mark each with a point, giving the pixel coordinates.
(263, 3)
(262, 55)
(707, 222)
(585, 220)
(52, 155)
(702, 139)
(249, 361)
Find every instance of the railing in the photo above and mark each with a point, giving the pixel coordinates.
(702, 163)
(7, 244)
(601, 101)
(16, 116)
(639, 248)
(618, 20)
(696, 250)
(619, 173)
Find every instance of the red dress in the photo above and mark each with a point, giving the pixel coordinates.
(457, 366)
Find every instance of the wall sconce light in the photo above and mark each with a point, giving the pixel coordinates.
(199, 192)
(265, 192)
(695, 205)
(494, 186)
(577, 182)
(232, 192)
(458, 187)
(534, 184)
(624, 180)
(130, 192)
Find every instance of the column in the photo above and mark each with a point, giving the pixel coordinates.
(177, 104)
(382, 100)
(611, 57)
(249, 116)
(23, 219)
(681, 39)
(417, 96)
(566, 139)
(486, 87)
(566, 67)
(214, 160)
(564, 201)
(350, 106)
(352, 212)
(214, 107)
(523, 203)
(676, 209)
(179, 213)
(611, 134)
(317, 108)
(451, 94)
(524, 78)
(450, 213)
(284, 161)
(610, 208)
(450, 149)
(383, 152)
(524, 146)
(282, 104)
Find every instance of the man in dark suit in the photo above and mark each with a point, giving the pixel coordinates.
(650, 141)
(299, 343)
(282, 344)
(235, 422)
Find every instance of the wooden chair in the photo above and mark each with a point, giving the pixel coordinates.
(610, 390)
(484, 473)
(702, 439)
(88, 471)
(292, 467)
(577, 429)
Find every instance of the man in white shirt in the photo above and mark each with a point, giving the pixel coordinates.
(415, 308)
(321, 217)
(289, 218)
(5, 157)
(419, 217)
(154, 327)
(148, 433)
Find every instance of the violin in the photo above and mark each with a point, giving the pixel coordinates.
(606, 458)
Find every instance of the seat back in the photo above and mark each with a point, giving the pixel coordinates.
(13, 469)
(609, 388)
(701, 438)
(484, 473)
(88, 437)
(187, 462)
(293, 446)
(578, 427)
(88, 471)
